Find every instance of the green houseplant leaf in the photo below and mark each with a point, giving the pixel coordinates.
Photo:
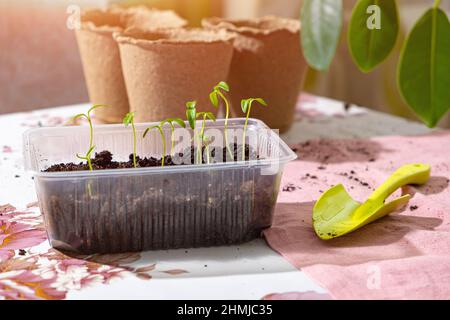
(321, 29)
(424, 69)
(373, 31)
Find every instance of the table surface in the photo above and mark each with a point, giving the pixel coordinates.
(248, 271)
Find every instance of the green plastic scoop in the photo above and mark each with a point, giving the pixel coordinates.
(336, 213)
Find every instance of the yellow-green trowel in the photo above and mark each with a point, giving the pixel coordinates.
(336, 213)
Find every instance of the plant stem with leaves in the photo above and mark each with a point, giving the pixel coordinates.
(129, 119)
(246, 105)
(205, 116)
(163, 139)
(171, 122)
(87, 115)
(214, 98)
(192, 116)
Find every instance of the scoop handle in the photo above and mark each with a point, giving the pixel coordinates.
(408, 174)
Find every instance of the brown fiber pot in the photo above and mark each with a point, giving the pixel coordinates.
(101, 58)
(268, 62)
(164, 69)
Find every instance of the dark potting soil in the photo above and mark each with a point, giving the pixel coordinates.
(112, 214)
(104, 160)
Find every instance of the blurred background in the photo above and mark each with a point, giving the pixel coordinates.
(40, 65)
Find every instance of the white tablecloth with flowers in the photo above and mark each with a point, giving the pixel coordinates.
(31, 269)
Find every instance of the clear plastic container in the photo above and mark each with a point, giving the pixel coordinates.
(120, 210)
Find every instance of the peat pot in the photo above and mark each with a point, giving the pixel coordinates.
(100, 53)
(267, 62)
(164, 69)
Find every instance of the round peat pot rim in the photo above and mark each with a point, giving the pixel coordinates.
(257, 26)
(142, 17)
(103, 20)
(173, 36)
(118, 19)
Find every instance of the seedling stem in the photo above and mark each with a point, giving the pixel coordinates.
(163, 139)
(129, 119)
(192, 116)
(171, 122)
(213, 96)
(246, 105)
(87, 115)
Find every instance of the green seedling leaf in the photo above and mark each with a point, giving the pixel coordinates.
(423, 74)
(261, 101)
(95, 107)
(191, 104)
(191, 113)
(81, 157)
(171, 121)
(179, 121)
(224, 86)
(148, 129)
(80, 115)
(321, 30)
(213, 98)
(128, 119)
(211, 116)
(244, 105)
(373, 32)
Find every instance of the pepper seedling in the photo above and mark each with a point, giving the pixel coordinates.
(214, 98)
(192, 116)
(205, 115)
(171, 122)
(163, 139)
(127, 120)
(87, 115)
(246, 105)
(191, 113)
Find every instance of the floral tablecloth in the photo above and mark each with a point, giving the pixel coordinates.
(31, 269)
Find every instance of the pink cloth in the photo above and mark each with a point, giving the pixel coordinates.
(403, 256)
